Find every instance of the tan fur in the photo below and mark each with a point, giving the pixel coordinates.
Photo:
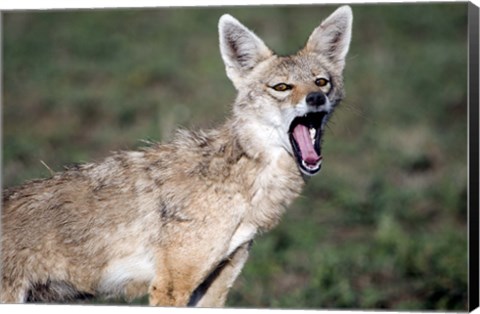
(175, 220)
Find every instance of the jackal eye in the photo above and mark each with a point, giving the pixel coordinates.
(281, 87)
(321, 82)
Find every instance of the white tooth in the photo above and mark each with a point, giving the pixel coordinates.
(312, 134)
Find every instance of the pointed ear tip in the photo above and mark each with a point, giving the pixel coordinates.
(345, 9)
(225, 19)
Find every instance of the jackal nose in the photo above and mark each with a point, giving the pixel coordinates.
(316, 99)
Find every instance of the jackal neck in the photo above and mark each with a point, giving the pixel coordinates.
(271, 175)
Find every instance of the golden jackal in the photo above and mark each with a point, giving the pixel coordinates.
(176, 220)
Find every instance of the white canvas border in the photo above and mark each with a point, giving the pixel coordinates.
(7, 5)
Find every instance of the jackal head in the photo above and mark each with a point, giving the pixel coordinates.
(285, 101)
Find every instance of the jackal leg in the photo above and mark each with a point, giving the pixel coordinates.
(13, 292)
(185, 279)
(173, 284)
(213, 291)
(180, 270)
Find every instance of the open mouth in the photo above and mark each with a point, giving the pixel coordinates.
(305, 136)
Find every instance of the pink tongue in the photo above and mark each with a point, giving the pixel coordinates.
(302, 136)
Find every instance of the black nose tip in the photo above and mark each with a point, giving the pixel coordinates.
(316, 99)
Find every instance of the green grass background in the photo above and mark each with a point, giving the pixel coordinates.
(383, 226)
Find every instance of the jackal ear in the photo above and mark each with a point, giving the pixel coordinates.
(332, 37)
(241, 49)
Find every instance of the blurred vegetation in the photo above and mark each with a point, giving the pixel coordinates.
(384, 224)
